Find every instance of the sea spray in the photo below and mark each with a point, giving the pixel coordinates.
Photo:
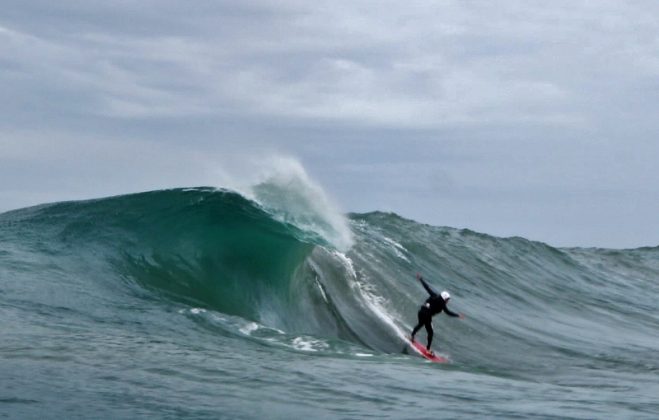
(282, 186)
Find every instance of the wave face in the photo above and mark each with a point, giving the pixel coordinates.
(535, 307)
(189, 264)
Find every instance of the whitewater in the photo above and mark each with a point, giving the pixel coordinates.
(269, 303)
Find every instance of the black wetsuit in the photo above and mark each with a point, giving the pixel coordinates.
(433, 305)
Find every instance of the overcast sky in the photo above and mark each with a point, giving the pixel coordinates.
(528, 118)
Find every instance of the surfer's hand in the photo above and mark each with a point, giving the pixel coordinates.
(418, 276)
(462, 316)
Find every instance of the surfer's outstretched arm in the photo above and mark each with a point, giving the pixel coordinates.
(426, 286)
(451, 313)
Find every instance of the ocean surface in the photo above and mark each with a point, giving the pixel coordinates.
(209, 303)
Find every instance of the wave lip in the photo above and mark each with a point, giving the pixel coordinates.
(293, 197)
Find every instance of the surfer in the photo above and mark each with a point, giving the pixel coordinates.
(435, 304)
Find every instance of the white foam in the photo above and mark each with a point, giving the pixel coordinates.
(322, 291)
(308, 344)
(375, 304)
(347, 263)
(372, 300)
(283, 187)
(249, 328)
(398, 248)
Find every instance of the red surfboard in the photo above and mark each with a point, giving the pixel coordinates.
(421, 349)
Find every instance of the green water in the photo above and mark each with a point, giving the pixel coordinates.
(201, 303)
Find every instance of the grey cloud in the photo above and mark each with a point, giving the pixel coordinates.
(505, 117)
(348, 63)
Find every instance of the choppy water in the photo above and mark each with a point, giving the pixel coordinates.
(202, 303)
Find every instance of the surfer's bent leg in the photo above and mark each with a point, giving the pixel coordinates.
(423, 317)
(422, 321)
(428, 325)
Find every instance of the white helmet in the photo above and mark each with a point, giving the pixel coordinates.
(445, 295)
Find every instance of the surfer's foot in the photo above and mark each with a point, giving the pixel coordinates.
(411, 338)
(430, 352)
